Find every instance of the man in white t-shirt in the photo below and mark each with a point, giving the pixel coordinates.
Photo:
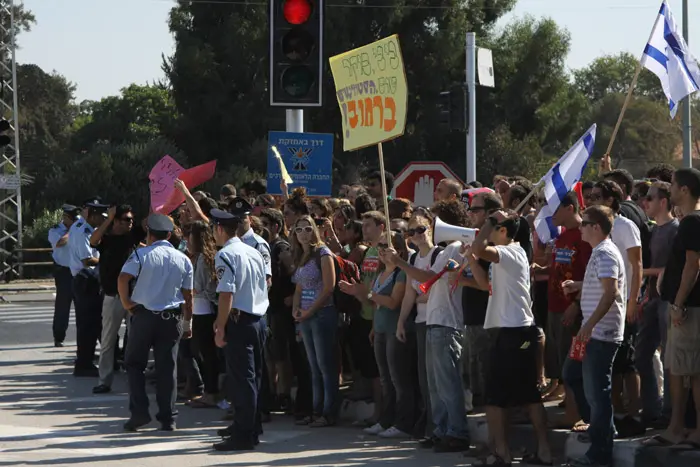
(603, 307)
(445, 323)
(512, 377)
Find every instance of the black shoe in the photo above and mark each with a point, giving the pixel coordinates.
(58, 344)
(225, 432)
(167, 426)
(285, 403)
(86, 372)
(232, 444)
(132, 425)
(428, 443)
(101, 389)
(450, 444)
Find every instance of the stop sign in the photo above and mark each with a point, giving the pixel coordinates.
(418, 180)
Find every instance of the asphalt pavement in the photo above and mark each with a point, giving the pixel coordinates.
(48, 417)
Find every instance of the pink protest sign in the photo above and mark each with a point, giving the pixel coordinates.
(162, 178)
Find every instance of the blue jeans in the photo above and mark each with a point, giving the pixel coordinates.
(319, 334)
(443, 352)
(652, 333)
(591, 383)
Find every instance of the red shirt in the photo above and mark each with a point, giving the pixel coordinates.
(569, 260)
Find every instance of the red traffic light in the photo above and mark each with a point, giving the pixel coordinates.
(296, 11)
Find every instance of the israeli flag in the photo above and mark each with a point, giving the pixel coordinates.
(668, 57)
(560, 180)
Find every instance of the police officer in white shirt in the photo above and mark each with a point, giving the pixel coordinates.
(58, 238)
(83, 264)
(242, 208)
(240, 328)
(161, 313)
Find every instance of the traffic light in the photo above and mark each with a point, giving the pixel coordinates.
(296, 53)
(4, 139)
(452, 105)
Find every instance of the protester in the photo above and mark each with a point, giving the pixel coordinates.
(602, 299)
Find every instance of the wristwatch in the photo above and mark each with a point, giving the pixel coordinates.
(369, 296)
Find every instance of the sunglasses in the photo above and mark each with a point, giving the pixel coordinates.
(418, 230)
(126, 219)
(588, 223)
(307, 229)
(649, 198)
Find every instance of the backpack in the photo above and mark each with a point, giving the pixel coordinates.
(344, 271)
(631, 211)
(433, 257)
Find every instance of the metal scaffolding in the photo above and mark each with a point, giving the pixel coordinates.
(10, 196)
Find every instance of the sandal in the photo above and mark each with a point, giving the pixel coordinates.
(320, 422)
(304, 421)
(657, 441)
(580, 427)
(202, 403)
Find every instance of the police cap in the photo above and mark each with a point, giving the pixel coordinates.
(92, 200)
(239, 207)
(224, 218)
(70, 209)
(96, 203)
(160, 223)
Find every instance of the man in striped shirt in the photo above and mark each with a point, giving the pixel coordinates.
(602, 295)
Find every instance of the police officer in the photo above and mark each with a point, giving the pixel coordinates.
(161, 314)
(240, 328)
(83, 265)
(241, 208)
(58, 237)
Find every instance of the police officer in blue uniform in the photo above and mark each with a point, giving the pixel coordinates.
(58, 238)
(160, 307)
(242, 208)
(240, 327)
(83, 264)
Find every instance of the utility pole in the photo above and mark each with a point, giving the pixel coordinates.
(687, 124)
(471, 93)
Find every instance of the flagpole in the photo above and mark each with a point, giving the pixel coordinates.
(633, 84)
(687, 125)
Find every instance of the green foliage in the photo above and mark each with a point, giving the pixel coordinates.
(36, 234)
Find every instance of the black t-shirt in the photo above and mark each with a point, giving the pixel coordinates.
(282, 286)
(687, 239)
(475, 301)
(114, 251)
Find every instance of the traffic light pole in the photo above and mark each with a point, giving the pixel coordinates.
(687, 124)
(295, 120)
(471, 91)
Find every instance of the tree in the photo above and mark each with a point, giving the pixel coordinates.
(611, 74)
(219, 71)
(140, 114)
(647, 134)
(45, 117)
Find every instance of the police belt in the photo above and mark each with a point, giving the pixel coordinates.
(236, 314)
(168, 313)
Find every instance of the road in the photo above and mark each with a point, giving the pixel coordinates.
(48, 417)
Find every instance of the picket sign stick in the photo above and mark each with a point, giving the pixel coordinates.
(633, 84)
(387, 228)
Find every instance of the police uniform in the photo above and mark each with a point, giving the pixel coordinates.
(62, 276)
(240, 207)
(162, 273)
(240, 270)
(86, 291)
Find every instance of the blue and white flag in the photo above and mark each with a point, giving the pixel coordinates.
(668, 57)
(560, 180)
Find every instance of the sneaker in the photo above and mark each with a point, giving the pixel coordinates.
(394, 433)
(374, 429)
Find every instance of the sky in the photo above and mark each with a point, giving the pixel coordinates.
(104, 45)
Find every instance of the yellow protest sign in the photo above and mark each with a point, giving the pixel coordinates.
(370, 84)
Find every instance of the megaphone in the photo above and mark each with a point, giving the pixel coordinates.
(451, 233)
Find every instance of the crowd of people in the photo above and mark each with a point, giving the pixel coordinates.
(260, 304)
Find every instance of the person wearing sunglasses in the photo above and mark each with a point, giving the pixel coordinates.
(115, 239)
(602, 298)
(412, 326)
(317, 318)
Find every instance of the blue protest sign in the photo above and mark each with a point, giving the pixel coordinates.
(308, 158)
